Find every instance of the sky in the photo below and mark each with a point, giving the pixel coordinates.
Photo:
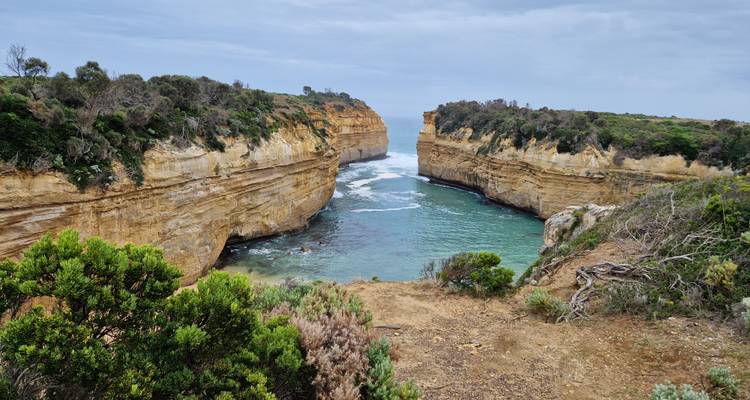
(682, 57)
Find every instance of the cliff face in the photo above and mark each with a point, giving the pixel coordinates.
(361, 135)
(538, 178)
(193, 200)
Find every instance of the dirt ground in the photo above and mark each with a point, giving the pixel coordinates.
(458, 347)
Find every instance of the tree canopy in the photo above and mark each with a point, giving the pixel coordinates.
(92, 320)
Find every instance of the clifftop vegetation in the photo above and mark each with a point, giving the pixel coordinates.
(693, 240)
(83, 123)
(721, 143)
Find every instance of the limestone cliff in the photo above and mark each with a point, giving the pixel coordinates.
(538, 178)
(192, 200)
(360, 135)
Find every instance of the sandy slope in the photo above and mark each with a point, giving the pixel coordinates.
(458, 347)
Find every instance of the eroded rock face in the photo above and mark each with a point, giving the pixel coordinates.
(193, 200)
(571, 222)
(539, 179)
(361, 136)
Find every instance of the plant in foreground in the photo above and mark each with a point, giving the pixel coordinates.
(543, 303)
(723, 386)
(110, 325)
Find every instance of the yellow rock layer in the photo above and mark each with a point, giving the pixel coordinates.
(193, 200)
(539, 179)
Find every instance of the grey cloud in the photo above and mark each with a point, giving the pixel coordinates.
(404, 56)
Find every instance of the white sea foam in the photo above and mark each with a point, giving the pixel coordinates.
(361, 187)
(261, 251)
(409, 207)
(337, 194)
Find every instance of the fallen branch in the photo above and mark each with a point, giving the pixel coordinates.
(585, 276)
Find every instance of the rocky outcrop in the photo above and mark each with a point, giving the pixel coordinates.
(571, 222)
(361, 135)
(539, 179)
(193, 200)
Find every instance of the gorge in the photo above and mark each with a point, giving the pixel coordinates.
(193, 200)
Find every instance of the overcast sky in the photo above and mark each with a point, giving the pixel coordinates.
(681, 57)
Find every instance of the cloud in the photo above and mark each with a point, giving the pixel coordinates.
(404, 56)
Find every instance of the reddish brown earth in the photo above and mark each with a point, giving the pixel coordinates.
(460, 347)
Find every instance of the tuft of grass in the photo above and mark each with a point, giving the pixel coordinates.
(542, 303)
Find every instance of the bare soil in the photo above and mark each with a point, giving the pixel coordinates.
(459, 347)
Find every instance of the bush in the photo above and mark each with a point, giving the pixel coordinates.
(668, 391)
(720, 273)
(550, 307)
(113, 327)
(724, 385)
(479, 273)
(381, 384)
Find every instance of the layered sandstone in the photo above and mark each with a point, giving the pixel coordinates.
(193, 200)
(361, 135)
(538, 178)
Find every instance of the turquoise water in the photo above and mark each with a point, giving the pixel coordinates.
(386, 221)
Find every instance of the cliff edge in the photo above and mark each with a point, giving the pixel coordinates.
(537, 177)
(192, 200)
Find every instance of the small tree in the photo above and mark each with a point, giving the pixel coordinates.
(34, 67)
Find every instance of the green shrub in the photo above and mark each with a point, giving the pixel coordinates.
(720, 273)
(543, 303)
(380, 383)
(668, 391)
(724, 385)
(113, 327)
(479, 273)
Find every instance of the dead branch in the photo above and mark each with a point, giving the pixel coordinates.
(606, 271)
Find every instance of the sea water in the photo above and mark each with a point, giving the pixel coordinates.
(385, 221)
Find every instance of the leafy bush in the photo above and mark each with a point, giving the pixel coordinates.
(668, 391)
(381, 384)
(724, 385)
(338, 99)
(112, 326)
(82, 125)
(720, 273)
(479, 273)
(543, 303)
(722, 143)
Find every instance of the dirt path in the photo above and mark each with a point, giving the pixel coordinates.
(458, 347)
